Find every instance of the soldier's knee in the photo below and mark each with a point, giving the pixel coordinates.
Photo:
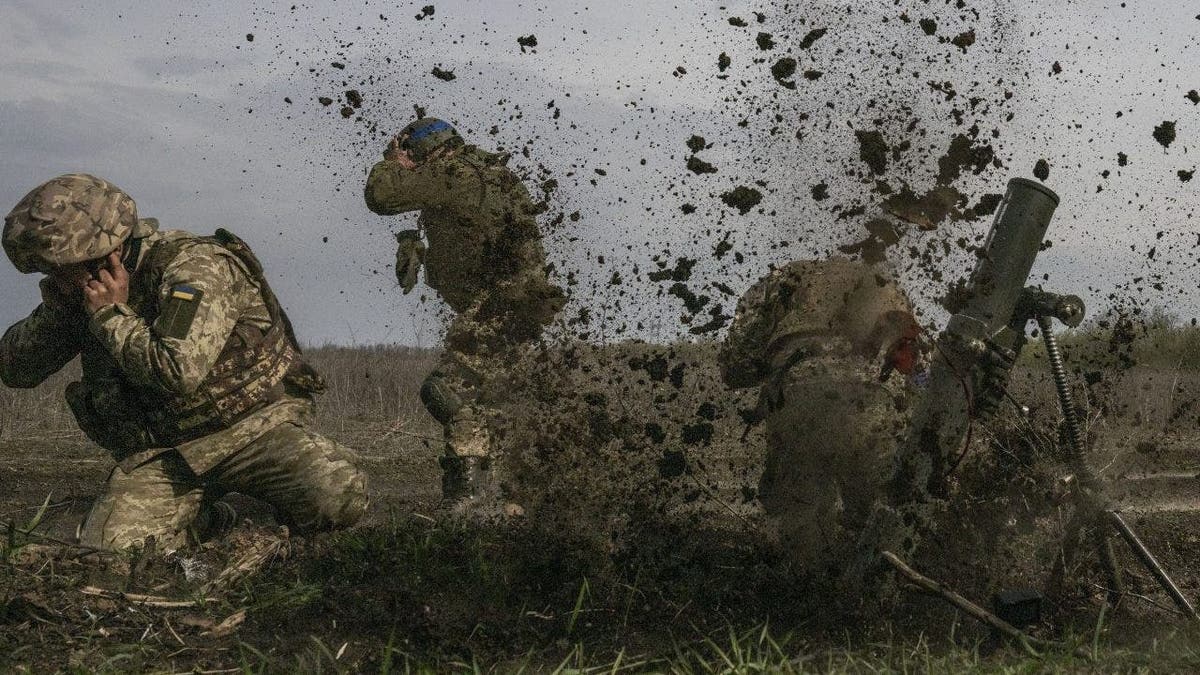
(342, 503)
(439, 398)
(352, 504)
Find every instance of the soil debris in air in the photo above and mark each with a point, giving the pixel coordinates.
(1041, 170)
(742, 198)
(881, 234)
(964, 40)
(783, 70)
(873, 150)
(812, 36)
(1165, 133)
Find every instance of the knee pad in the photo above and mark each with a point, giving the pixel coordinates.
(439, 398)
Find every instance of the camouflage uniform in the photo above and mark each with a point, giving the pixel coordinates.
(485, 258)
(813, 334)
(195, 386)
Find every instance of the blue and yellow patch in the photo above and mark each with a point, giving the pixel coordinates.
(183, 293)
(178, 311)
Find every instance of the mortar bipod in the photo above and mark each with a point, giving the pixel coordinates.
(1093, 509)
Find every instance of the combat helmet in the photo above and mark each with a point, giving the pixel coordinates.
(70, 219)
(427, 134)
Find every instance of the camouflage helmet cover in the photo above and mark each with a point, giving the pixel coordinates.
(70, 219)
(427, 134)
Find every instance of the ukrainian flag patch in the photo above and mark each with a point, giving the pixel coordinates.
(178, 312)
(183, 293)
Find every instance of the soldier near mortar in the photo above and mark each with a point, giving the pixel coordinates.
(836, 349)
(840, 358)
(192, 377)
(485, 259)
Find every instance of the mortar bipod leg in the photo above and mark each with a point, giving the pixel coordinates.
(1088, 490)
(1151, 564)
(1108, 560)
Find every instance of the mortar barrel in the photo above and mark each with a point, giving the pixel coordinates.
(1009, 252)
(942, 417)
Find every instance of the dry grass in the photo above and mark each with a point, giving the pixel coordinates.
(377, 383)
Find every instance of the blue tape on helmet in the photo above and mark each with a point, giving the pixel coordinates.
(433, 127)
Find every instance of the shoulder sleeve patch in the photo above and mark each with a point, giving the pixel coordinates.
(178, 312)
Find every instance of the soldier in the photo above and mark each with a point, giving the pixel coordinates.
(192, 377)
(826, 340)
(485, 259)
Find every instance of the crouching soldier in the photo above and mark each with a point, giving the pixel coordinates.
(485, 259)
(192, 377)
(838, 354)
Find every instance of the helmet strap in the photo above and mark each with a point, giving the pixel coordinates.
(133, 251)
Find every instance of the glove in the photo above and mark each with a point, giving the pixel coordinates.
(410, 255)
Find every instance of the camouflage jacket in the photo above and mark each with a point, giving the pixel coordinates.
(478, 218)
(161, 346)
(835, 307)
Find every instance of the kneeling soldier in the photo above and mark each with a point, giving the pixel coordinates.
(192, 377)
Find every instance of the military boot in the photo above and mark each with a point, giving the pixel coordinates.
(215, 520)
(467, 479)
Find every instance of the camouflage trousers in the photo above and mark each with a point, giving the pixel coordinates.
(482, 343)
(832, 431)
(455, 395)
(310, 481)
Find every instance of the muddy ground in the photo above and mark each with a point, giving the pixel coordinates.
(642, 542)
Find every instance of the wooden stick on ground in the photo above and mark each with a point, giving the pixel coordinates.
(139, 599)
(1029, 644)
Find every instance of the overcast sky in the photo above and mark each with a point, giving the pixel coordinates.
(173, 102)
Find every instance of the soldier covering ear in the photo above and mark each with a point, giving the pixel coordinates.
(192, 377)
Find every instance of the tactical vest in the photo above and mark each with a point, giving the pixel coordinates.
(255, 367)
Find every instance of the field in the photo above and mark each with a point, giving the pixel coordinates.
(642, 546)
